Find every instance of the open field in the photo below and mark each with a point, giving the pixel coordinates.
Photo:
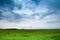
(29, 34)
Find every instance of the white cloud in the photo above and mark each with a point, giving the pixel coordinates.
(31, 21)
(23, 11)
(29, 24)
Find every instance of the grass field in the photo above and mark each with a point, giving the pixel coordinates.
(29, 34)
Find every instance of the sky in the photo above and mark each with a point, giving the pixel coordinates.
(30, 14)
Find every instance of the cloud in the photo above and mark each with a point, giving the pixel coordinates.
(29, 24)
(30, 14)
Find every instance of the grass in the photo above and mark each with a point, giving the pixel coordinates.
(29, 34)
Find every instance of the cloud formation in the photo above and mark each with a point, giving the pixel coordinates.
(30, 14)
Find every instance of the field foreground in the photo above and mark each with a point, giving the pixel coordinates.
(29, 34)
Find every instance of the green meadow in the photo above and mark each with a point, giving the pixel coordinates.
(29, 34)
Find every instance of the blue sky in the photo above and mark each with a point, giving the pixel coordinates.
(30, 14)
